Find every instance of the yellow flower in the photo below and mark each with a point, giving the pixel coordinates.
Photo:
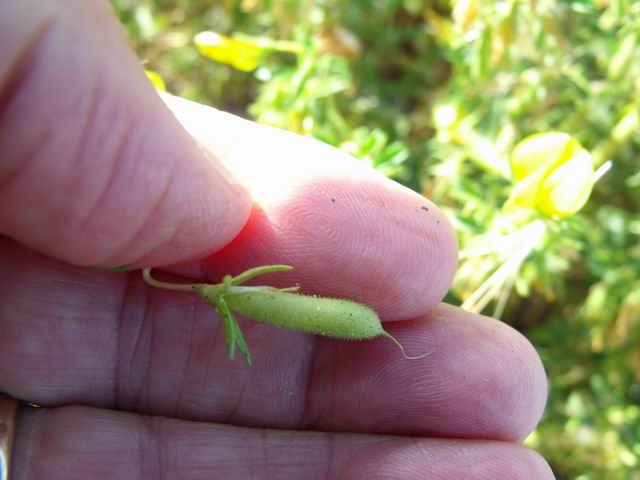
(239, 54)
(552, 172)
(156, 80)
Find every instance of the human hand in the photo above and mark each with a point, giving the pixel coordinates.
(136, 383)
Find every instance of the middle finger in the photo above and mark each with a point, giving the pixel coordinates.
(160, 353)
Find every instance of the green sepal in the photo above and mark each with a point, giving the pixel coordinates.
(254, 272)
(232, 331)
(241, 343)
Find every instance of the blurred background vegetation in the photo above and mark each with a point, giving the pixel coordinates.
(436, 94)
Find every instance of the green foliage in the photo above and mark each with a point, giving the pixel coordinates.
(436, 94)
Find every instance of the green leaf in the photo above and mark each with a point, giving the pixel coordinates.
(232, 331)
(230, 325)
(241, 343)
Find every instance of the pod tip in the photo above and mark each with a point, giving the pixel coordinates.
(409, 357)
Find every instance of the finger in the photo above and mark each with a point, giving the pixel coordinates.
(76, 442)
(95, 169)
(347, 230)
(112, 342)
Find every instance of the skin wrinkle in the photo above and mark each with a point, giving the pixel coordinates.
(424, 455)
(214, 341)
(294, 378)
(205, 380)
(315, 414)
(151, 456)
(154, 352)
(238, 400)
(103, 193)
(221, 396)
(32, 152)
(38, 303)
(144, 439)
(308, 380)
(142, 398)
(333, 376)
(23, 351)
(191, 320)
(135, 237)
(134, 392)
(84, 119)
(22, 66)
(81, 115)
(264, 450)
(331, 445)
(84, 295)
(117, 335)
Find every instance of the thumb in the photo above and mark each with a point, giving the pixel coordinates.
(94, 169)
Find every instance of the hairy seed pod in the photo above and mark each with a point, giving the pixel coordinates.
(329, 317)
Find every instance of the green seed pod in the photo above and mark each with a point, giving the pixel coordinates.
(329, 317)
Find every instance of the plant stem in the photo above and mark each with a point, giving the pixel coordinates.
(146, 273)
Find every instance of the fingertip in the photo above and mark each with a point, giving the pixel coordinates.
(504, 391)
(505, 388)
(480, 379)
(349, 231)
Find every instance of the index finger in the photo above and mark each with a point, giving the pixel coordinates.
(346, 229)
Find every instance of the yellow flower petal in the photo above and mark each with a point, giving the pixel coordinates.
(567, 188)
(239, 54)
(524, 192)
(156, 80)
(541, 153)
